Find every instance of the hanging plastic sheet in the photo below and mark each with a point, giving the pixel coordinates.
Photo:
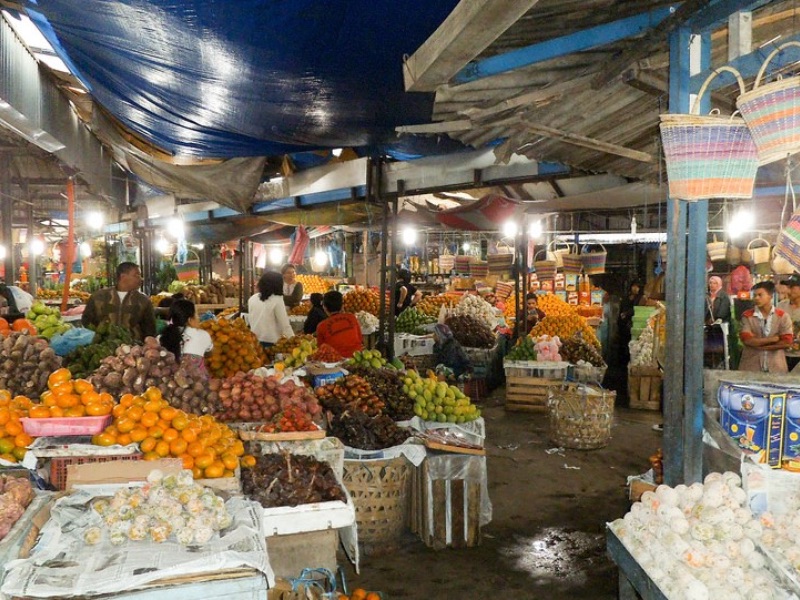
(487, 214)
(233, 78)
(300, 243)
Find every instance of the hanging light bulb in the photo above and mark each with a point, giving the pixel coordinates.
(741, 221)
(409, 236)
(37, 246)
(86, 250)
(509, 229)
(276, 256)
(94, 220)
(320, 258)
(162, 246)
(176, 229)
(3, 252)
(535, 230)
(466, 246)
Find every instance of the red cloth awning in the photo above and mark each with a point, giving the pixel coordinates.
(486, 214)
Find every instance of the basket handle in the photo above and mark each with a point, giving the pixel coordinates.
(585, 246)
(758, 239)
(769, 58)
(553, 245)
(696, 105)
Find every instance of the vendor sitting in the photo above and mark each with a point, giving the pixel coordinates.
(448, 352)
(340, 330)
(316, 315)
(533, 314)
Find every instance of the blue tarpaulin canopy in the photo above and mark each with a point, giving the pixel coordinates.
(233, 78)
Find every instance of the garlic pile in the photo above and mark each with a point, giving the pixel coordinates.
(369, 322)
(477, 307)
(168, 504)
(642, 348)
(699, 542)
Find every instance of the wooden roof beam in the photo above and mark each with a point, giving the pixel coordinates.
(465, 33)
(587, 142)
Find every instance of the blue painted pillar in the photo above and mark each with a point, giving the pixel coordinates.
(686, 284)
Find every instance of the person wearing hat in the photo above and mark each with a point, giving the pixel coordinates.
(791, 306)
(766, 332)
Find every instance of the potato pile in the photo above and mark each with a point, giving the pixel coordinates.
(236, 348)
(565, 327)
(211, 293)
(362, 299)
(26, 362)
(314, 284)
(133, 369)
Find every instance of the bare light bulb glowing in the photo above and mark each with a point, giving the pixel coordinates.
(742, 221)
(409, 236)
(95, 220)
(509, 229)
(466, 246)
(175, 229)
(535, 230)
(86, 250)
(275, 256)
(37, 247)
(162, 246)
(320, 258)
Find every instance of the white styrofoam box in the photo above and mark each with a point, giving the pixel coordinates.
(413, 345)
(286, 520)
(536, 368)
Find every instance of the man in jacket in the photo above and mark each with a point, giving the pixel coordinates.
(340, 330)
(122, 305)
(766, 331)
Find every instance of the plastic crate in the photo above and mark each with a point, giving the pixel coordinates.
(65, 425)
(58, 466)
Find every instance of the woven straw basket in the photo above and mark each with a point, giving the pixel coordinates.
(545, 269)
(772, 112)
(571, 262)
(594, 263)
(760, 254)
(788, 245)
(556, 251)
(780, 265)
(580, 415)
(717, 250)
(709, 156)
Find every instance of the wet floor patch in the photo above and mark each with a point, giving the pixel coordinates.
(556, 555)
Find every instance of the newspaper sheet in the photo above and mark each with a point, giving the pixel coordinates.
(62, 564)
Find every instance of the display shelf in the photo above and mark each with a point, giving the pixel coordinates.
(632, 577)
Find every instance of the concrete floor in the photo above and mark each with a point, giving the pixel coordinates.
(546, 539)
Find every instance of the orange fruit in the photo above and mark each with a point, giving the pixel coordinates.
(177, 446)
(197, 472)
(47, 398)
(188, 434)
(230, 461)
(162, 448)
(168, 413)
(19, 453)
(188, 461)
(373, 596)
(9, 458)
(152, 394)
(153, 406)
(13, 428)
(23, 440)
(89, 397)
(134, 413)
(39, 412)
(65, 387)
(213, 471)
(82, 385)
(56, 411)
(126, 400)
(195, 449)
(149, 419)
(75, 411)
(151, 456)
(148, 444)
(204, 460)
(104, 439)
(155, 432)
(98, 409)
(180, 422)
(358, 594)
(58, 376)
(106, 397)
(138, 434)
(5, 396)
(171, 434)
(124, 439)
(6, 445)
(5, 415)
(118, 410)
(125, 425)
(248, 461)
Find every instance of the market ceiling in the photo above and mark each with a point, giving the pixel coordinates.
(235, 78)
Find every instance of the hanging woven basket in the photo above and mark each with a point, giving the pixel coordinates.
(709, 156)
(772, 112)
(594, 262)
(759, 254)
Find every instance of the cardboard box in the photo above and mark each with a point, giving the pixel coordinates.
(290, 554)
(321, 375)
(559, 283)
(572, 298)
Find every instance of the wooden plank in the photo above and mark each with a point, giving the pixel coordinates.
(465, 33)
(631, 570)
(457, 514)
(473, 513)
(587, 142)
(439, 500)
(525, 408)
(440, 127)
(456, 449)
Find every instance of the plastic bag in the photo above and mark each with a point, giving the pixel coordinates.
(74, 338)
(740, 280)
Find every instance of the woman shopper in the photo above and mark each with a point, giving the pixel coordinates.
(316, 316)
(183, 337)
(268, 318)
(292, 289)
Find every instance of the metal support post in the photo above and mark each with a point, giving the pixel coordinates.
(6, 216)
(392, 263)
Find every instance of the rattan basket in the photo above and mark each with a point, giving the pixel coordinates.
(580, 415)
(709, 156)
(380, 492)
(772, 113)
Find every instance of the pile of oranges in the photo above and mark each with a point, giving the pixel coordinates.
(236, 348)
(207, 447)
(66, 397)
(360, 594)
(362, 299)
(13, 439)
(553, 306)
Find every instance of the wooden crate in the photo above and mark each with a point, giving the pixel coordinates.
(290, 554)
(445, 512)
(644, 387)
(528, 393)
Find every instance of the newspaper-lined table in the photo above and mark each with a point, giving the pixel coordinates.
(62, 564)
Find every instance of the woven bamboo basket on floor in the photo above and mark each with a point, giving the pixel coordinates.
(709, 156)
(380, 492)
(580, 415)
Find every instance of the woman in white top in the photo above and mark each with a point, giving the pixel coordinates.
(268, 318)
(183, 338)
